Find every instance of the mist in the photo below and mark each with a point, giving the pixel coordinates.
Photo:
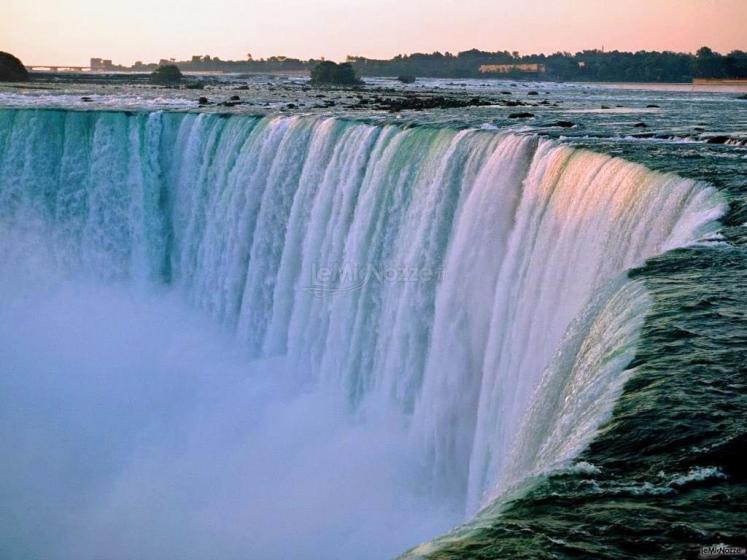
(133, 427)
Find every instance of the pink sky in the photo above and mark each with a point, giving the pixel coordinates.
(70, 32)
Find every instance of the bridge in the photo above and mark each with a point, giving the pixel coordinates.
(48, 68)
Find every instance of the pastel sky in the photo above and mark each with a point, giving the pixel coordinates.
(72, 31)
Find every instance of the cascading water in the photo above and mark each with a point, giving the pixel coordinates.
(471, 283)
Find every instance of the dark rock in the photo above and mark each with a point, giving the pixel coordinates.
(242, 88)
(532, 93)
(195, 85)
(235, 98)
(506, 93)
(291, 105)
(412, 102)
(202, 101)
(563, 124)
(717, 140)
(12, 69)
(521, 115)
(605, 106)
(406, 79)
(652, 106)
(86, 99)
(640, 125)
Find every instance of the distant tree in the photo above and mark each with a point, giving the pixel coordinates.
(709, 64)
(12, 69)
(736, 64)
(168, 74)
(327, 72)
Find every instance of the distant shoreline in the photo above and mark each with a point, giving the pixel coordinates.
(696, 85)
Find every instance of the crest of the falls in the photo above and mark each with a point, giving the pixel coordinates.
(471, 280)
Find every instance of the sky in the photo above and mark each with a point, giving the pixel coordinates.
(71, 32)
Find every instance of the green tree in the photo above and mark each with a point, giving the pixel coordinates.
(327, 72)
(12, 69)
(168, 74)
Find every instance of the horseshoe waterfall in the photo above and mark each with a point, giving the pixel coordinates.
(361, 333)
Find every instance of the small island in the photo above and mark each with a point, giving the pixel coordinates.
(12, 69)
(166, 75)
(331, 73)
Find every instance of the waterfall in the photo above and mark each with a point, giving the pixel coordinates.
(470, 280)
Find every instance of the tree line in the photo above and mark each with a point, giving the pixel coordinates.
(588, 65)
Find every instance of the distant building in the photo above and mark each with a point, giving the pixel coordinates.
(101, 64)
(511, 68)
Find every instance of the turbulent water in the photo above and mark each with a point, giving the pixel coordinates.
(242, 335)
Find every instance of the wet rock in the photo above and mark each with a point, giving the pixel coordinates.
(640, 125)
(234, 98)
(652, 106)
(421, 103)
(717, 140)
(202, 101)
(563, 124)
(522, 115)
(86, 99)
(532, 93)
(605, 107)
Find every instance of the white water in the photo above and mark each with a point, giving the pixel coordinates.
(402, 325)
